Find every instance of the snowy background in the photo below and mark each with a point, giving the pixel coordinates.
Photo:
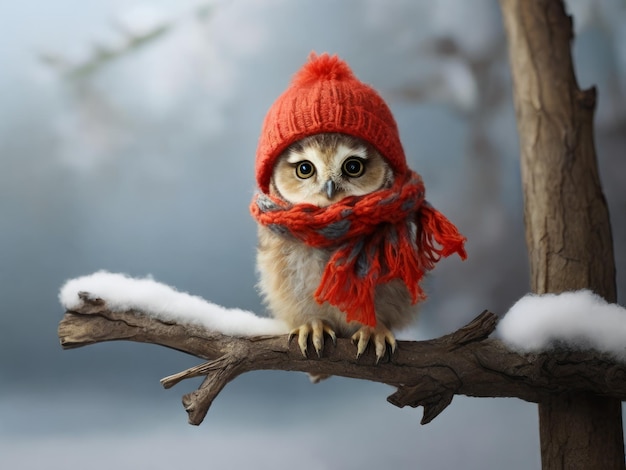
(127, 139)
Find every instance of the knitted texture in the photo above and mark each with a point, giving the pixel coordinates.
(388, 234)
(325, 96)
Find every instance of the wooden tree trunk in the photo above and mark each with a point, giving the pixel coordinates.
(568, 231)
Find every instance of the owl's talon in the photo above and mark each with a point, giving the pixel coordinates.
(380, 336)
(315, 330)
(329, 331)
(361, 339)
(302, 335)
(302, 344)
(318, 336)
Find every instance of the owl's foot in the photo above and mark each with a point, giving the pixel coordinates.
(379, 335)
(314, 329)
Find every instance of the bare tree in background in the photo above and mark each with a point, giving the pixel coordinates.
(568, 230)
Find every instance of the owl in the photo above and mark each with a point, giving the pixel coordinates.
(345, 234)
(321, 170)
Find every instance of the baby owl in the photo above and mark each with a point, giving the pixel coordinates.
(344, 232)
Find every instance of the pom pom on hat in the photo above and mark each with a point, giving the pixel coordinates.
(325, 96)
(324, 67)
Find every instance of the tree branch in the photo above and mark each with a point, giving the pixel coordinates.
(426, 373)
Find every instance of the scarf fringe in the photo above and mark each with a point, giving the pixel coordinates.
(437, 237)
(438, 229)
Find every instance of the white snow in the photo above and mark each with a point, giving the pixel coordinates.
(535, 323)
(121, 293)
(577, 320)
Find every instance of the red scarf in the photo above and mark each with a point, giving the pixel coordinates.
(388, 234)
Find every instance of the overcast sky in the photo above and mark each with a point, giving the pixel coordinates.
(146, 166)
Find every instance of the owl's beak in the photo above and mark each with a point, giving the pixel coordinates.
(330, 188)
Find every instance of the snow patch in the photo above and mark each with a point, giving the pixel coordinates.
(578, 320)
(122, 293)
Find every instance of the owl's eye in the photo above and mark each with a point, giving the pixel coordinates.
(354, 167)
(305, 169)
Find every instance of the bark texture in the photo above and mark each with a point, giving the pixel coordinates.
(568, 230)
(425, 373)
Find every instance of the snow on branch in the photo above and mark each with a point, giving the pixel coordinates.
(579, 320)
(123, 293)
(106, 307)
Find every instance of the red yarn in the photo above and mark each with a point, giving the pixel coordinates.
(322, 67)
(325, 96)
(388, 234)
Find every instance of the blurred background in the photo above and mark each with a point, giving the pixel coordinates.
(128, 132)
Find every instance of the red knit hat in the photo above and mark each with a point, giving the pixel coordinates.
(325, 96)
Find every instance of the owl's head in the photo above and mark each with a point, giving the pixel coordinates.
(325, 97)
(325, 168)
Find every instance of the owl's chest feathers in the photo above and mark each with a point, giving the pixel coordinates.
(290, 273)
(290, 264)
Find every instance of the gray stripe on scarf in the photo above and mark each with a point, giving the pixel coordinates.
(335, 230)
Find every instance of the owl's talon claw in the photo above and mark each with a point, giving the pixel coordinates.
(315, 330)
(329, 331)
(318, 336)
(361, 339)
(292, 335)
(380, 336)
(302, 340)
